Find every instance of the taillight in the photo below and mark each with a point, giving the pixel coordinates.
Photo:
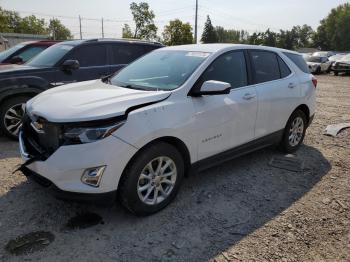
(314, 81)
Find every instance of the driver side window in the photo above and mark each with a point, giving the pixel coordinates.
(229, 67)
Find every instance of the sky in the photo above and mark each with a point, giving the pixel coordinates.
(250, 15)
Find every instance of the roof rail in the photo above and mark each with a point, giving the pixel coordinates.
(123, 39)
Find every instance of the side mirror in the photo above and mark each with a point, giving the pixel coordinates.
(16, 60)
(213, 87)
(70, 65)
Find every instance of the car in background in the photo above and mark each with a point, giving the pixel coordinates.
(135, 135)
(63, 63)
(23, 52)
(324, 53)
(337, 57)
(318, 64)
(306, 55)
(342, 65)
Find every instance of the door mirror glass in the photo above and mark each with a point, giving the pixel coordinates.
(213, 87)
(16, 60)
(70, 65)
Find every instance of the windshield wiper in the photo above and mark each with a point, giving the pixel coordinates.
(135, 87)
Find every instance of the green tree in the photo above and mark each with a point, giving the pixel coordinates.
(32, 25)
(304, 35)
(58, 31)
(269, 38)
(9, 21)
(334, 31)
(227, 36)
(177, 33)
(127, 33)
(144, 22)
(209, 34)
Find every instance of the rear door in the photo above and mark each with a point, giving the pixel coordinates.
(123, 54)
(93, 63)
(277, 89)
(226, 121)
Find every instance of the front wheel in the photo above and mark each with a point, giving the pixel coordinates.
(11, 113)
(294, 132)
(152, 180)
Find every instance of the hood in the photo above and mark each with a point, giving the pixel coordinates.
(88, 101)
(14, 69)
(313, 64)
(343, 62)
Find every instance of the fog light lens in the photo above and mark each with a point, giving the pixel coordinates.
(92, 176)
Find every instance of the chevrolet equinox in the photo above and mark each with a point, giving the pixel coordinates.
(135, 135)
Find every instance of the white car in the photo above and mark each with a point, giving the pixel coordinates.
(136, 134)
(319, 64)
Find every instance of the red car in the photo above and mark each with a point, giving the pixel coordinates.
(25, 51)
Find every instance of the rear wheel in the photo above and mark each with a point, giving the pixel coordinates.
(11, 113)
(294, 132)
(152, 180)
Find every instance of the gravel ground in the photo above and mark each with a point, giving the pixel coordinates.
(243, 210)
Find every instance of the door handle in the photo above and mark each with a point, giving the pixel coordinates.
(249, 96)
(291, 85)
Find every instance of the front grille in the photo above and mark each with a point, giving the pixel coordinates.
(40, 144)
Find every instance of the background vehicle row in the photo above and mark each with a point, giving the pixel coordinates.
(63, 63)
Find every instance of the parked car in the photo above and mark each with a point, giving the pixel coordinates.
(336, 57)
(318, 64)
(137, 133)
(342, 65)
(63, 63)
(324, 53)
(23, 52)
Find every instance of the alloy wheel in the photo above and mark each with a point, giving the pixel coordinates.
(13, 119)
(157, 180)
(296, 131)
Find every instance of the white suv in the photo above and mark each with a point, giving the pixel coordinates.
(136, 134)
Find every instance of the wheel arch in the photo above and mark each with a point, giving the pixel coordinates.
(174, 141)
(29, 91)
(305, 109)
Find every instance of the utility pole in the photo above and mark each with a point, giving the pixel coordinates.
(103, 33)
(196, 24)
(53, 29)
(81, 34)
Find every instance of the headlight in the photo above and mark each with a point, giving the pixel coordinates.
(89, 134)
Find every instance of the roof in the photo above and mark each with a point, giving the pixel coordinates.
(112, 40)
(212, 48)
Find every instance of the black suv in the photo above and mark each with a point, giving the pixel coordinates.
(63, 63)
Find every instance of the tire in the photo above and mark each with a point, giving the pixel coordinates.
(10, 127)
(131, 183)
(318, 70)
(336, 73)
(288, 144)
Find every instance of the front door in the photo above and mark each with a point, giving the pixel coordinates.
(225, 121)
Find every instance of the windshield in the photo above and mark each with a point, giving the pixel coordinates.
(314, 59)
(50, 56)
(5, 54)
(160, 70)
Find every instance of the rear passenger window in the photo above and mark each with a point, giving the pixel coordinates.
(230, 68)
(266, 67)
(284, 69)
(125, 54)
(299, 61)
(91, 55)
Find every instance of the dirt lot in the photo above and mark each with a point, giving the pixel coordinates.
(242, 210)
